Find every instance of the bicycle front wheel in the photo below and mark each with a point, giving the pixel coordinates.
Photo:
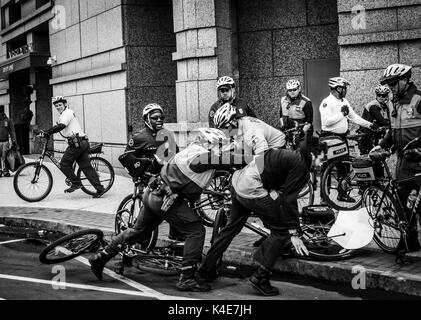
(32, 182)
(71, 246)
(157, 264)
(306, 196)
(339, 188)
(320, 246)
(105, 173)
(384, 210)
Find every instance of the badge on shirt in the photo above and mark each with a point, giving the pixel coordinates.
(131, 143)
(240, 110)
(211, 114)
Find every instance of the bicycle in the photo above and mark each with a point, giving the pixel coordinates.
(33, 181)
(333, 182)
(391, 224)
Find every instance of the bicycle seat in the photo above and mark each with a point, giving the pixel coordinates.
(379, 155)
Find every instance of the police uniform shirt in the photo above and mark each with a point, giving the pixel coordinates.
(332, 118)
(68, 118)
(258, 135)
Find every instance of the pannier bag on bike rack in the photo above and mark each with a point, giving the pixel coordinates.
(334, 147)
(366, 170)
(134, 166)
(317, 214)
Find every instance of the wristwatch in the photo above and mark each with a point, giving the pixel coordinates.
(294, 233)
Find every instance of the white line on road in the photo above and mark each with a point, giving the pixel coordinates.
(75, 285)
(151, 292)
(12, 241)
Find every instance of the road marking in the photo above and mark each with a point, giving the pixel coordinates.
(151, 292)
(12, 241)
(77, 286)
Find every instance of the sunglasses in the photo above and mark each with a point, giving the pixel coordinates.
(393, 84)
(224, 89)
(292, 90)
(382, 95)
(155, 118)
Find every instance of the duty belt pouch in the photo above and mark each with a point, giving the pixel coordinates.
(169, 198)
(74, 140)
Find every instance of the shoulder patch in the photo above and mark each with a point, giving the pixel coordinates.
(211, 113)
(131, 142)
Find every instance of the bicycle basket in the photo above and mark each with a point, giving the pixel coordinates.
(317, 214)
(334, 147)
(366, 170)
(135, 166)
(96, 148)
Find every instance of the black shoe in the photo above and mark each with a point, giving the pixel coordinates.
(99, 193)
(257, 243)
(98, 262)
(345, 198)
(205, 277)
(263, 286)
(6, 174)
(73, 188)
(191, 284)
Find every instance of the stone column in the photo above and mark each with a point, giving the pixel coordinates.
(203, 31)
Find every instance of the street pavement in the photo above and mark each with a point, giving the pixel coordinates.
(370, 268)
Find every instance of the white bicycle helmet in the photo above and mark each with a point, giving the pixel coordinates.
(394, 72)
(382, 90)
(224, 115)
(150, 108)
(292, 84)
(338, 82)
(212, 135)
(58, 99)
(225, 80)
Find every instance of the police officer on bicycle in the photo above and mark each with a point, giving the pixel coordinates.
(405, 117)
(77, 150)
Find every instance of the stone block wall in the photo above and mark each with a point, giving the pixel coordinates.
(274, 40)
(151, 73)
(373, 35)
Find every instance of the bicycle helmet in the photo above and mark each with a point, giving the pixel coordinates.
(224, 115)
(382, 89)
(224, 81)
(338, 82)
(395, 72)
(150, 108)
(292, 84)
(58, 99)
(212, 135)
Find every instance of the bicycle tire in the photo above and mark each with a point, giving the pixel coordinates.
(306, 193)
(105, 175)
(18, 177)
(321, 248)
(388, 217)
(331, 197)
(208, 212)
(126, 208)
(157, 264)
(67, 241)
(220, 222)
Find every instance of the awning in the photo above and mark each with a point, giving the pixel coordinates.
(22, 62)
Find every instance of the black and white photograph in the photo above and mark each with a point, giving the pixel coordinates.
(220, 157)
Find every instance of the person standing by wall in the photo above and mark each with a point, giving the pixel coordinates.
(22, 123)
(6, 130)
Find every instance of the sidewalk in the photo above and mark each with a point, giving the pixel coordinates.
(71, 212)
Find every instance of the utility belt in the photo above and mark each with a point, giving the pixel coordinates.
(159, 188)
(75, 140)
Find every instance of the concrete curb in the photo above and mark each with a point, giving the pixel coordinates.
(400, 282)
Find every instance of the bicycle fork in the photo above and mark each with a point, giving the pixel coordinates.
(38, 165)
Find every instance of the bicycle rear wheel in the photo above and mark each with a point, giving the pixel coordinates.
(125, 218)
(32, 182)
(105, 173)
(384, 210)
(320, 246)
(157, 264)
(332, 182)
(208, 205)
(71, 246)
(306, 196)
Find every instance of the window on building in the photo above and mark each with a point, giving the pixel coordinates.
(15, 13)
(40, 3)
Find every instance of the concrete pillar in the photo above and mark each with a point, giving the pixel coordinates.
(205, 51)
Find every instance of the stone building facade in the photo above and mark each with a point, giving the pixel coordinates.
(112, 57)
